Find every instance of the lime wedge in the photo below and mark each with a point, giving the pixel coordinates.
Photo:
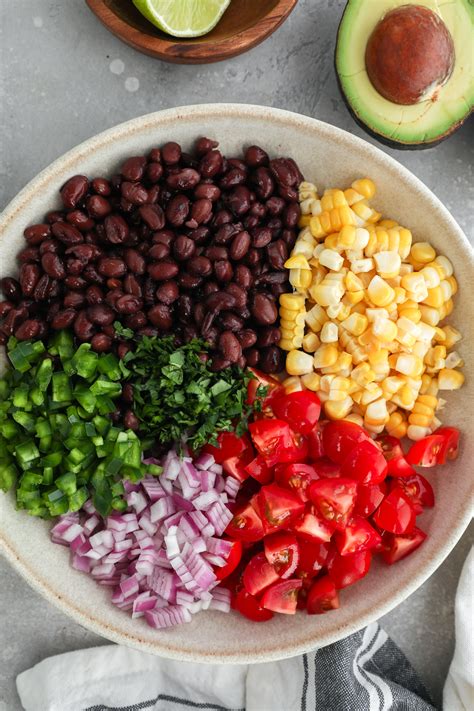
(183, 18)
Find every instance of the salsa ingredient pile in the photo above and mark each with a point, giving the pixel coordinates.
(184, 477)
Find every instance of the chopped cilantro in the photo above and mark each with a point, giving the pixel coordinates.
(176, 394)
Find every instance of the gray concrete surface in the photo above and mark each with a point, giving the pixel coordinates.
(63, 78)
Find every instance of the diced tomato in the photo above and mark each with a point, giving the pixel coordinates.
(427, 452)
(249, 607)
(396, 513)
(233, 559)
(282, 597)
(314, 528)
(278, 507)
(358, 535)
(315, 441)
(340, 438)
(246, 525)
(394, 456)
(276, 442)
(334, 499)
(313, 558)
(398, 547)
(228, 445)
(235, 466)
(346, 570)
(369, 499)
(325, 469)
(322, 596)
(261, 380)
(259, 470)
(296, 477)
(417, 489)
(282, 552)
(365, 463)
(258, 574)
(300, 409)
(451, 442)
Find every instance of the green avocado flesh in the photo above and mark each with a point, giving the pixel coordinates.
(419, 124)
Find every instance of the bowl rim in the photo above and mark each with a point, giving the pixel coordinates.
(180, 51)
(63, 165)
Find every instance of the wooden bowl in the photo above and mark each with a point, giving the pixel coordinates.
(244, 24)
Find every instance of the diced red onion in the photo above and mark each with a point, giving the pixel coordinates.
(129, 586)
(204, 461)
(220, 599)
(218, 546)
(159, 556)
(137, 500)
(216, 468)
(153, 488)
(89, 507)
(162, 508)
(208, 479)
(232, 486)
(215, 560)
(167, 616)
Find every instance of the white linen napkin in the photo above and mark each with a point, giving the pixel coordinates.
(459, 688)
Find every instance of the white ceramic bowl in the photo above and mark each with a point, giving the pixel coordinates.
(329, 157)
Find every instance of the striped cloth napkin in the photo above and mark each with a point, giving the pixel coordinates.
(364, 672)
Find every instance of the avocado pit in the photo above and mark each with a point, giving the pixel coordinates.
(410, 55)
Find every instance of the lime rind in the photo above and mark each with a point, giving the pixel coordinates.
(183, 18)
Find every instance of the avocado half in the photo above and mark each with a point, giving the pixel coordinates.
(416, 125)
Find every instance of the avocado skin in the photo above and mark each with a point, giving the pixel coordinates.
(399, 145)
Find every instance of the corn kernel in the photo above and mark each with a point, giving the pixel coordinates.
(380, 293)
(454, 360)
(339, 388)
(356, 419)
(293, 302)
(298, 261)
(356, 324)
(453, 283)
(292, 384)
(445, 265)
(338, 410)
(371, 393)
(331, 242)
(376, 413)
(329, 332)
(422, 252)
(431, 277)
(307, 190)
(304, 221)
(355, 297)
(387, 263)
(365, 187)
(415, 432)
(430, 315)
(449, 379)
(409, 364)
(316, 317)
(415, 285)
(310, 343)
(327, 293)
(311, 381)
(331, 259)
(452, 336)
(359, 266)
(435, 297)
(384, 329)
(325, 356)
(396, 425)
(299, 363)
